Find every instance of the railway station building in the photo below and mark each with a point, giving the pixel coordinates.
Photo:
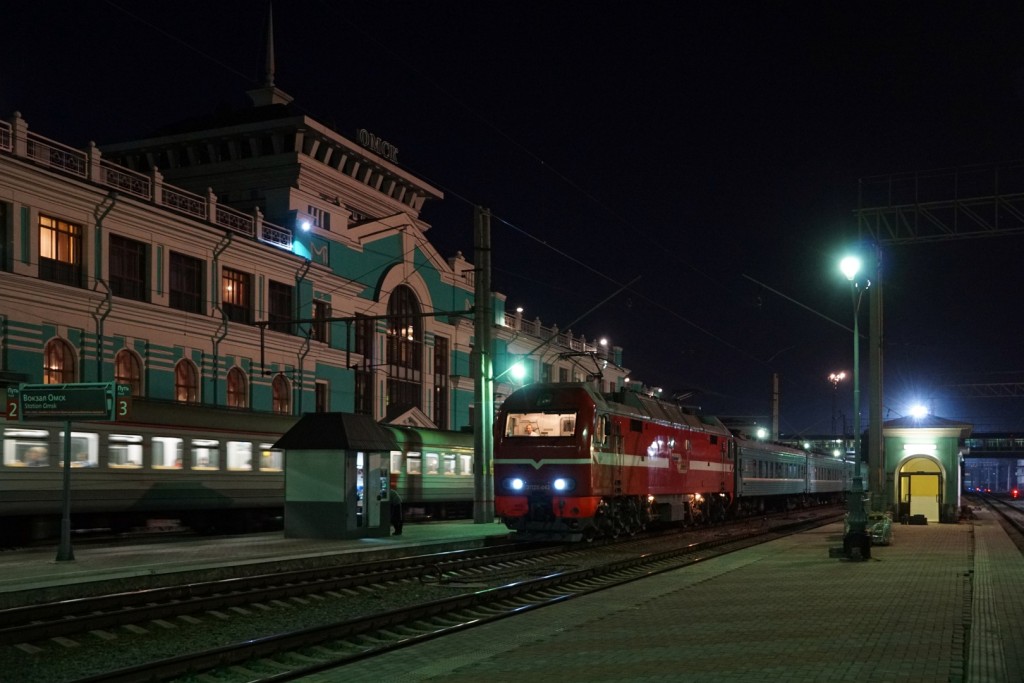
(257, 260)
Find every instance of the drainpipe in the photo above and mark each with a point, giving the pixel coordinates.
(300, 371)
(103, 308)
(222, 331)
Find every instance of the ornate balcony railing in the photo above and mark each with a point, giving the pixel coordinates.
(15, 138)
(534, 328)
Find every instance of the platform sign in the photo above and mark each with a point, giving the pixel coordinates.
(67, 401)
(11, 405)
(122, 402)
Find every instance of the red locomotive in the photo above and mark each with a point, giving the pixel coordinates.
(573, 463)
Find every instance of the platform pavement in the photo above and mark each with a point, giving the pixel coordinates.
(943, 603)
(35, 575)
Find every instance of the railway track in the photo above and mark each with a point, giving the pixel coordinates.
(65, 618)
(1010, 515)
(322, 621)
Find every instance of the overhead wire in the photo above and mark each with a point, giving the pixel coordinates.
(517, 145)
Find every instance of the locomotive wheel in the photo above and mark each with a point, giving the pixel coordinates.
(634, 518)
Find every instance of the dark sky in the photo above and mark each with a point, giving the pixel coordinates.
(712, 150)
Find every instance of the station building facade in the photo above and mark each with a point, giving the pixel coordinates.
(259, 261)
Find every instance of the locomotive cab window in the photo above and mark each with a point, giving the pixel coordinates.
(540, 424)
(601, 431)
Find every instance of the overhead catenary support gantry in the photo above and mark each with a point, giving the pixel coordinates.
(969, 202)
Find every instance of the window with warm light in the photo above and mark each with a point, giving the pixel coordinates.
(236, 295)
(60, 251)
(404, 348)
(128, 370)
(59, 363)
(282, 391)
(238, 388)
(186, 382)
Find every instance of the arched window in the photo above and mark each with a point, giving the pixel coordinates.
(405, 348)
(238, 389)
(186, 382)
(59, 363)
(128, 370)
(282, 395)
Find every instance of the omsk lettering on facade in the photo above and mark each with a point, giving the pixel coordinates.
(378, 146)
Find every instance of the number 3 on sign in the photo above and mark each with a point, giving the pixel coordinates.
(122, 407)
(123, 402)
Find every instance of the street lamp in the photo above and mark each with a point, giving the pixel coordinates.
(856, 535)
(835, 378)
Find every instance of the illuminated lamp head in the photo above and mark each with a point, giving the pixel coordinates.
(918, 411)
(850, 266)
(518, 371)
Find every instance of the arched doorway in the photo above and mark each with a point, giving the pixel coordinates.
(920, 490)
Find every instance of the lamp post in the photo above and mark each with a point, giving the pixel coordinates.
(835, 378)
(856, 536)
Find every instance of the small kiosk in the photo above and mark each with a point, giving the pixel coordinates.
(336, 477)
(923, 467)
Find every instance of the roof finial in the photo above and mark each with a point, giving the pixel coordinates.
(269, 75)
(268, 93)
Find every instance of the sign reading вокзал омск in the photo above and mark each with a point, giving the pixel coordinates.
(67, 401)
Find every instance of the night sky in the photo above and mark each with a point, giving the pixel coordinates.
(707, 153)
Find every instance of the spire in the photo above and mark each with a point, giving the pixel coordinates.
(268, 93)
(269, 71)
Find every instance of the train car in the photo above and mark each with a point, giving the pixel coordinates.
(433, 472)
(775, 477)
(571, 462)
(177, 466)
(171, 465)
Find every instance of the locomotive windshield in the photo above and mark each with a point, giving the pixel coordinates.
(540, 424)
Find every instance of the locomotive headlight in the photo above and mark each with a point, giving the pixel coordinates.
(561, 484)
(515, 484)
